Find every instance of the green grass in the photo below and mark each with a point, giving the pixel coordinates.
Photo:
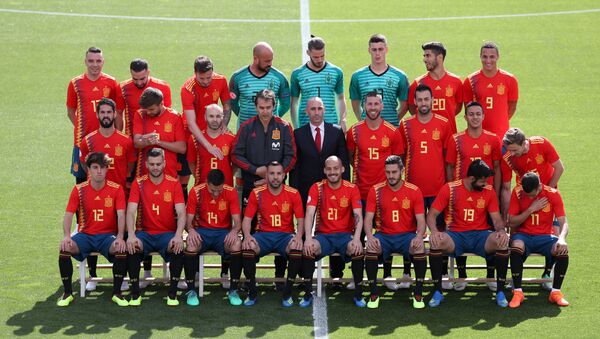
(554, 58)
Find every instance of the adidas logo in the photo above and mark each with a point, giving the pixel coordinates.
(156, 123)
(373, 137)
(274, 203)
(395, 199)
(205, 95)
(156, 192)
(469, 199)
(95, 89)
(247, 86)
(437, 88)
(97, 198)
(475, 146)
(490, 86)
(107, 146)
(424, 131)
(333, 197)
(213, 201)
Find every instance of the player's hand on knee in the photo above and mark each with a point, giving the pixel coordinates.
(502, 239)
(132, 243)
(66, 244)
(194, 239)
(436, 239)
(231, 238)
(417, 245)
(561, 248)
(120, 245)
(373, 244)
(310, 247)
(296, 243)
(176, 244)
(248, 243)
(355, 247)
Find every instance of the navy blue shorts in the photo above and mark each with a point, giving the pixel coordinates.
(395, 243)
(334, 243)
(155, 242)
(213, 239)
(469, 242)
(273, 242)
(542, 244)
(76, 166)
(185, 167)
(440, 222)
(89, 243)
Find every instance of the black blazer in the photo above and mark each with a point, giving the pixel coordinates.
(310, 163)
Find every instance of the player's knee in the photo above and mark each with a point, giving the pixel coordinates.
(235, 247)
(517, 244)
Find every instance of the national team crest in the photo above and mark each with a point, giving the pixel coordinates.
(481, 203)
(108, 202)
(106, 91)
(449, 91)
(225, 150)
(222, 205)
(546, 208)
(75, 167)
(435, 135)
(168, 127)
(215, 95)
(118, 150)
(271, 84)
(501, 89)
(539, 159)
(406, 203)
(167, 196)
(276, 135)
(285, 207)
(344, 202)
(487, 149)
(389, 83)
(385, 141)
(328, 79)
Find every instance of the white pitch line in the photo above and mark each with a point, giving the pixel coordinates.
(153, 18)
(321, 327)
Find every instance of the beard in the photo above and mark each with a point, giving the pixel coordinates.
(106, 122)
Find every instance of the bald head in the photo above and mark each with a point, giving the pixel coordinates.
(333, 170)
(333, 160)
(214, 117)
(214, 108)
(262, 57)
(315, 110)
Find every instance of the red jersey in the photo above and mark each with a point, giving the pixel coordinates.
(210, 212)
(334, 206)
(170, 128)
(97, 210)
(83, 95)
(156, 204)
(447, 95)
(467, 211)
(119, 148)
(195, 97)
(204, 161)
(395, 210)
(539, 159)
(494, 94)
(425, 146)
(275, 212)
(462, 150)
(371, 148)
(540, 222)
(131, 97)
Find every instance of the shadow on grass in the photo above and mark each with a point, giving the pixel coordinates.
(96, 315)
(474, 308)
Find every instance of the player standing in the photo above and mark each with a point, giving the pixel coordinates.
(447, 89)
(318, 78)
(101, 208)
(496, 89)
(260, 75)
(390, 82)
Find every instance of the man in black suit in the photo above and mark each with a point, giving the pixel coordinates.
(315, 142)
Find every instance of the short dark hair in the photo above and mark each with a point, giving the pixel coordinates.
(375, 38)
(138, 65)
(151, 96)
(436, 47)
(375, 94)
(514, 136)
(99, 158)
(93, 50)
(274, 163)
(316, 43)
(479, 170)
(394, 160)
(202, 64)
(106, 101)
(423, 88)
(265, 94)
(530, 181)
(473, 104)
(215, 177)
(489, 44)
(155, 153)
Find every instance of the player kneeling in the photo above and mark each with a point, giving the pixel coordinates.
(398, 211)
(468, 202)
(333, 202)
(533, 207)
(275, 206)
(155, 198)
(210, 209)
(101, 207)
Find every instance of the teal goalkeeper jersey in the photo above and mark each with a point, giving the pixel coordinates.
(244, 85)
(326, 84)
(391, 84)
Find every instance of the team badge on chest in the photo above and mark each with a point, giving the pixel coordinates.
(168, 127)
(435, 135)
(344, 202)
(167, 196)
(118, 150)
(406, 203)
(225, 150)
(500, 89)
(480, 203)
(276, 135)
(108, 202)
(546, 208)
(222, 205)
(285, 207)
(449, 91)
(106, 91)
(539, 159)
(385, 141)
(487, 149)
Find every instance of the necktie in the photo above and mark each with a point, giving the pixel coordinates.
(318, 139)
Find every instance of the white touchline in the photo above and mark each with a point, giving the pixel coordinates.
(130, 17)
